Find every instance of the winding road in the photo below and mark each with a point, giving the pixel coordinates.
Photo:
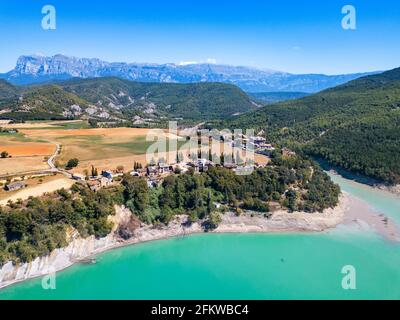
(50, 161)
(53, 167)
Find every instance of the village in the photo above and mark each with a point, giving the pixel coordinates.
(154, 171)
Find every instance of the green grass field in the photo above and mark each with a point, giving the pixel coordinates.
(14, 137)
(139, 145)
(58, 125)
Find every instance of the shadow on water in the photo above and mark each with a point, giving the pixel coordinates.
(357, 177)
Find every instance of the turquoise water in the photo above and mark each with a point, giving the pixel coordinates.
(239, 266)
(382, 201)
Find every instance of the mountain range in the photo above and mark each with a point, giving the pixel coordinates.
(37, 69)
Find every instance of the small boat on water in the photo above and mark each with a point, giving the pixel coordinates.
(88, 261)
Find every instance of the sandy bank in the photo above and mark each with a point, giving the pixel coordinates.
(358, 178)
(392, 189)
(366, 218)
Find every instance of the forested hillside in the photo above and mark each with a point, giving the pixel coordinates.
(45, 102)
(274, 97)
(7, 91)
(113, 98)
(194, 101)
(355, 126)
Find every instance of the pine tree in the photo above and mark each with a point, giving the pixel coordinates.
(209, 203)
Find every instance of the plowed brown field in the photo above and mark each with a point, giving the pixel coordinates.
(29, 149)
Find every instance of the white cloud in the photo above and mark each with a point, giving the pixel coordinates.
(209, 61)
(185, 63)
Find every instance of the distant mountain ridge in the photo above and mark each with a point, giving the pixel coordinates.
(274, 97)
(37, 69)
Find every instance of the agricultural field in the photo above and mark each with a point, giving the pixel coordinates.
(25, 153)
(29, 149)
(46, 124)
(104, 148)
(11, 166)
(35, 187)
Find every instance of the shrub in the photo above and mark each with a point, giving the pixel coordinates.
(72, 163)
(4, 155)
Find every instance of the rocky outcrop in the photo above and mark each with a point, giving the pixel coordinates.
(126, 230)
(59, 259)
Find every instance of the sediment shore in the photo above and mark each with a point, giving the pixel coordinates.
(392, 189)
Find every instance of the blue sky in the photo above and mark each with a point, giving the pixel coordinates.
(298, 36)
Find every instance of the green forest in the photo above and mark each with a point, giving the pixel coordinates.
(354, 126)
(124, 99)
(38, 226)
(294, 183)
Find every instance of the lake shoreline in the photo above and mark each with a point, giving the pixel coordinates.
(358, 177)
(80, 250)
(395, 189)
(350, 210)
